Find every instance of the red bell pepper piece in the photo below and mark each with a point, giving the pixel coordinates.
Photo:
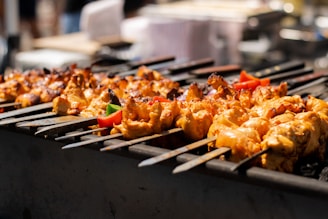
(248, 81)
(247, 85)
(110, 120)
(158, 99)
(244, 76)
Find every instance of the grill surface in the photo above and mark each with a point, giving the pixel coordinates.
(41, 179)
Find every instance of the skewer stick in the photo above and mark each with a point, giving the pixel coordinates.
(91, 141)
(77, 134)
(142, 139)
(48, 121)
(67, 126)
(249, 159)
(29, 109)
(7, 105)
(176, 152)
(26, 118)
(200, 160)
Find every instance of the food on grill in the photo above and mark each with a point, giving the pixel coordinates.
(74, 99)
(247, 119)
(33, 86)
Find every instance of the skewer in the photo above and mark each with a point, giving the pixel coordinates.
(176, 152)
(249, 159)
(26, 118)
(91, 141)
(25, 110)
(67, 126)
(200, 160)
(77, 134)
(7, 105)
(48, 121)
(142, 139)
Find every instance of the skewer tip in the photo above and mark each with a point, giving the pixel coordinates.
(144, 163)
(178, 169)
(105, 149)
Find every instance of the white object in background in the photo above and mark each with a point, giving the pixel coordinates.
(49, 58)
(185, 39)
(102, 18)
(11, 17)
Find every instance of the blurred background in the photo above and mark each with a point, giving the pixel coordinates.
(253, 33)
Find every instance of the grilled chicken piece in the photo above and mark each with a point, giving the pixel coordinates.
(44, 83)
(290, 141)
(195, 118)
(27, 99)
(141, 118)
(72, 101)
(276, 106)
(226, 126)
(97, 105)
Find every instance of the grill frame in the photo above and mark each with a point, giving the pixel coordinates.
(206, 191)
(86, 183)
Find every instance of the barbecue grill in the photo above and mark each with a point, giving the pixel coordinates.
(41, 180)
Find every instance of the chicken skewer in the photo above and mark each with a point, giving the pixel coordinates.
(190, 113)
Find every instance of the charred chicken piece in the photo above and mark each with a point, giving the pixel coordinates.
(302, 137)
(141, 118)
(73, 100)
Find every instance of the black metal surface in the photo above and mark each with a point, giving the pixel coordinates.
(48, 182)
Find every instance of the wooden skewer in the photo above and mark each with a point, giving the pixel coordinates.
(6, 105)
(26, 118)
(246, 161)
(200, 160)
(48, 121)
(176, 152)
(29, 109)
(92, 141)
(77, 134)
(138, 140)
(67, 126)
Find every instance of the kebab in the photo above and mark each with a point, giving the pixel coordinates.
(248, 121)
(33, 87)
(222, 88)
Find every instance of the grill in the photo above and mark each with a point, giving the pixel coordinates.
(41, 180)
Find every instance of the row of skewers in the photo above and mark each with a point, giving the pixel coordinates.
(235, 124)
